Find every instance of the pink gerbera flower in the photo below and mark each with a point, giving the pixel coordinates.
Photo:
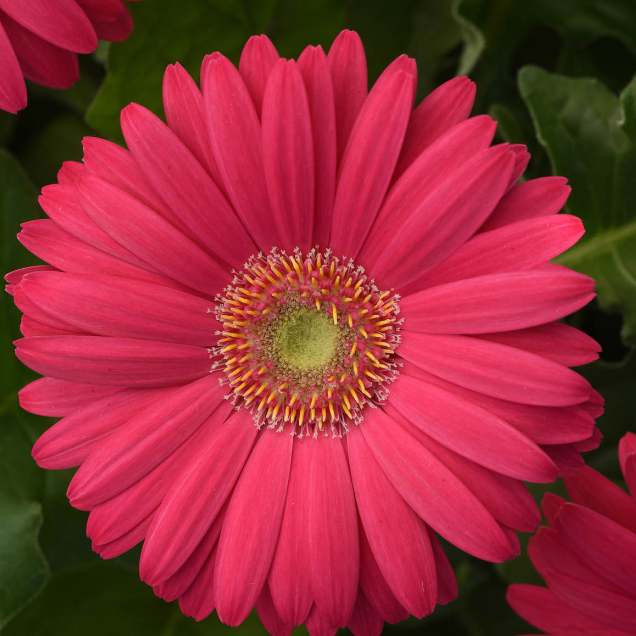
(587, 556)
(298, 330)
(40, 40)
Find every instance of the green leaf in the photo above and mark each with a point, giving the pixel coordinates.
(58, 140)
(497, 27)
(165, 32)
(106, 598)
(23, 571)
(435, 36)
(187, 32)
(297, 24)
(474, 40)
(98, 600)
(615, 382)
(590, 137)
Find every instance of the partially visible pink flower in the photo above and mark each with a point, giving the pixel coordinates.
(236, 388)
(40, 40)
(587, 556)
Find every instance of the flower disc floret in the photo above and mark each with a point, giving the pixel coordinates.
(307, 340)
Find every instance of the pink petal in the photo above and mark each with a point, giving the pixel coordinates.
(519, 246)
(60, 22)
(566, 458)
(288, 156)
(111, 518)
(507, 499)
(124, 543)
(590, 489)
(369, 159)
(199, 599)
(401, 63)
(543, 609)
(123, 308)
(113, 361)
(334, 559)
(272, 622)
(148, 438)
(13, 278)
(183, 106)
(185, 186)
(196, 498)
(627, 458)
(605, 546)
(522, 158)
(57, 398)
(542, 424)
(114, 30)
(314, 68)
(71, 440)
(549, 549)
(317, 625)
(26, 306)
(470, 431)
(69, 172)
(114, 164)
(513, 540)
(62, 207)
(188, 573)
(550, 505)
(13, 95)
(626, 447)
(252, 524)
(396, 535)
(40, 61)
(630, 473)
(50, 243)
(595, 404)
(424, 176)
(445, 220)
(148, 236)
(348, 66)
(107, 10)
(446, 581)
(365, 621)
(615, 610)
(530, 199)
(375, 586)
(555, 340)
(235, 136)
(444, 108)
(590, 443)
(495, 369)
(498, 302)
(289, 579)
(433, 491)
(257, 60)
(30, 328)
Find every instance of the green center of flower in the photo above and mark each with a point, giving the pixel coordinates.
(306, 339)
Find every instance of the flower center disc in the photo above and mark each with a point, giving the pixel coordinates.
(307, 340)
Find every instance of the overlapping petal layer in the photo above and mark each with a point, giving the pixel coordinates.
(314, 528)
(587, 556)
(40, 40)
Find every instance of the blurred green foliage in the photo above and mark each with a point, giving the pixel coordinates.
(557, 76)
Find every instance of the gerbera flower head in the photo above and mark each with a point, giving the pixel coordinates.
(586, 555)
(40, 40)
(297, 330)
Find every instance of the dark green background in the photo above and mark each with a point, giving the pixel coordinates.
(556, 75)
